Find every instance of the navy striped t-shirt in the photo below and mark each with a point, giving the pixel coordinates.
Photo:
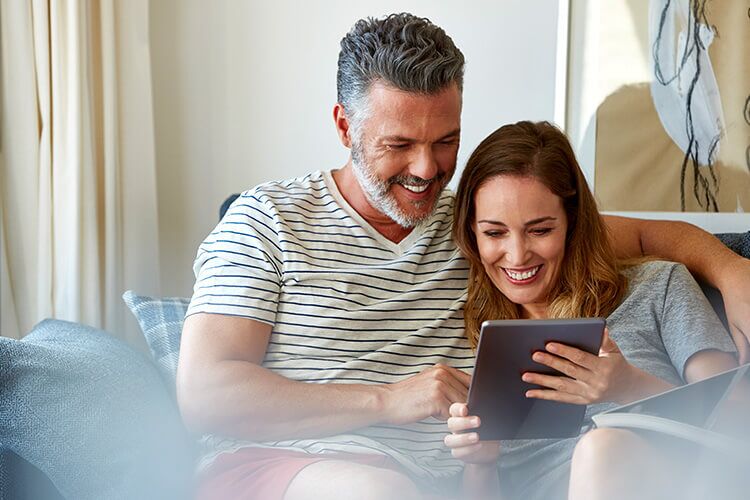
(346, 305)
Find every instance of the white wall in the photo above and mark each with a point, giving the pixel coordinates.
(244, 91)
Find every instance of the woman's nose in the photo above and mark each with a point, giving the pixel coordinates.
(517, 251)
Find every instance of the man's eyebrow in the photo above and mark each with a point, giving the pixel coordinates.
(529, 223)
(451, 134)
(396, 138)
(400, 138)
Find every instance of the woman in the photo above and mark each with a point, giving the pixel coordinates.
(528, 224)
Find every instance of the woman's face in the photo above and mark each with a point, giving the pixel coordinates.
(520, 228)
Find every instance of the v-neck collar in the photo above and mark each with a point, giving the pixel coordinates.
(397, 248)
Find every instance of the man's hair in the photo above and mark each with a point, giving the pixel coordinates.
(401, 50)
(590, 283)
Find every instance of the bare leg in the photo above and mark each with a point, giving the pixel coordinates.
(341, 480)
(618, 464)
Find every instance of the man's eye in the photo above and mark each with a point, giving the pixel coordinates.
(396, 146)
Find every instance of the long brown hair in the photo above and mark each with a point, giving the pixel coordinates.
(590, 282)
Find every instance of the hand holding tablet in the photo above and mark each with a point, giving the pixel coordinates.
(498, 395)
(590, 378)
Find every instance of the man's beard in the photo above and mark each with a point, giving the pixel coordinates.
(378, 191)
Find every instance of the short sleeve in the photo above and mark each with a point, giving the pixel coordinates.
(239, 266)
(689, 323)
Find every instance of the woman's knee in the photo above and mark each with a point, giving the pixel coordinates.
(602, 446)
(615, 464)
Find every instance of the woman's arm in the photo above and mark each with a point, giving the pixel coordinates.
(703, 254)
(606, 377)
(704, 364)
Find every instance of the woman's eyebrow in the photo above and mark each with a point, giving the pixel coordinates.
(529, 223)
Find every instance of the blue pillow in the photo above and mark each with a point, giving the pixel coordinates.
(161, 321)
(92, 414)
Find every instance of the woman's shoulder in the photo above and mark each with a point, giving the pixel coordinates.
(653, 273)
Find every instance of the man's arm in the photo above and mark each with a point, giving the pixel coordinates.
(702, 253)
(221, 388)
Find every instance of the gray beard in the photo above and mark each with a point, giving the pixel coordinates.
(378, 193)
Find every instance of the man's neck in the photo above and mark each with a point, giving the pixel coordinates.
(350, 189)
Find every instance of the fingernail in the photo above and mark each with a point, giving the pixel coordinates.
(552, 347)
(475, 421)
(473, 437)
(525, 377)
(537, 357)
(528, 394)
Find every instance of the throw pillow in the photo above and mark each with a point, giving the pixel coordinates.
(92, 414)
(161, 322)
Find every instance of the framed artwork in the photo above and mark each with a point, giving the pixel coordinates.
(659, 103)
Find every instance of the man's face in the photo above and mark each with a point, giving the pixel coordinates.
(404, 152)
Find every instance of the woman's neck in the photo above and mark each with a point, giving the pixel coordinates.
(533, 311)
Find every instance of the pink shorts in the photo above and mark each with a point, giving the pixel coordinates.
(265, 473)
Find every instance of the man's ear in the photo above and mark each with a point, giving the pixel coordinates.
(342, 125)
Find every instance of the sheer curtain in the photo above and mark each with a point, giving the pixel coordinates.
(77, 168)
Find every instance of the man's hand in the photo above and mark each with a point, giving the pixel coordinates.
(427, 394)
(735, 290)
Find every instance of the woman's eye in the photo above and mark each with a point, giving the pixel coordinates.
(541, 231)
(493, 234)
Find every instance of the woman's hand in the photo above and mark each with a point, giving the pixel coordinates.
(590, 378)
(466, 446)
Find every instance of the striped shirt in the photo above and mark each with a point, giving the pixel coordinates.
(346, 305)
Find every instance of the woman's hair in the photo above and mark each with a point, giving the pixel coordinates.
(590, 283)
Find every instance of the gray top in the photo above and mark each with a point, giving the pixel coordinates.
(661, 323)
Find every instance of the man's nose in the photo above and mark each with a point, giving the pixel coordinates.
(424, 165)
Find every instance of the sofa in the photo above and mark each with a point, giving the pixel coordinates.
(85, 416)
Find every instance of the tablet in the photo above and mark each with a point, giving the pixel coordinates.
(696, 404)
(497, 393)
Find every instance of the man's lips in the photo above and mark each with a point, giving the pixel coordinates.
(417, 191)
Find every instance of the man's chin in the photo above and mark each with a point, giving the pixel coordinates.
(417, 213)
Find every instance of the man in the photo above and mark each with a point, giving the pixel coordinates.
(324, 342)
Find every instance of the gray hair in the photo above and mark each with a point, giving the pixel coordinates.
(401, 50)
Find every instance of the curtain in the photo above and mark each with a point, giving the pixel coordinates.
(77, 167)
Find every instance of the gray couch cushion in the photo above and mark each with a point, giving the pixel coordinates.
(92, 414)
(738, 242)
